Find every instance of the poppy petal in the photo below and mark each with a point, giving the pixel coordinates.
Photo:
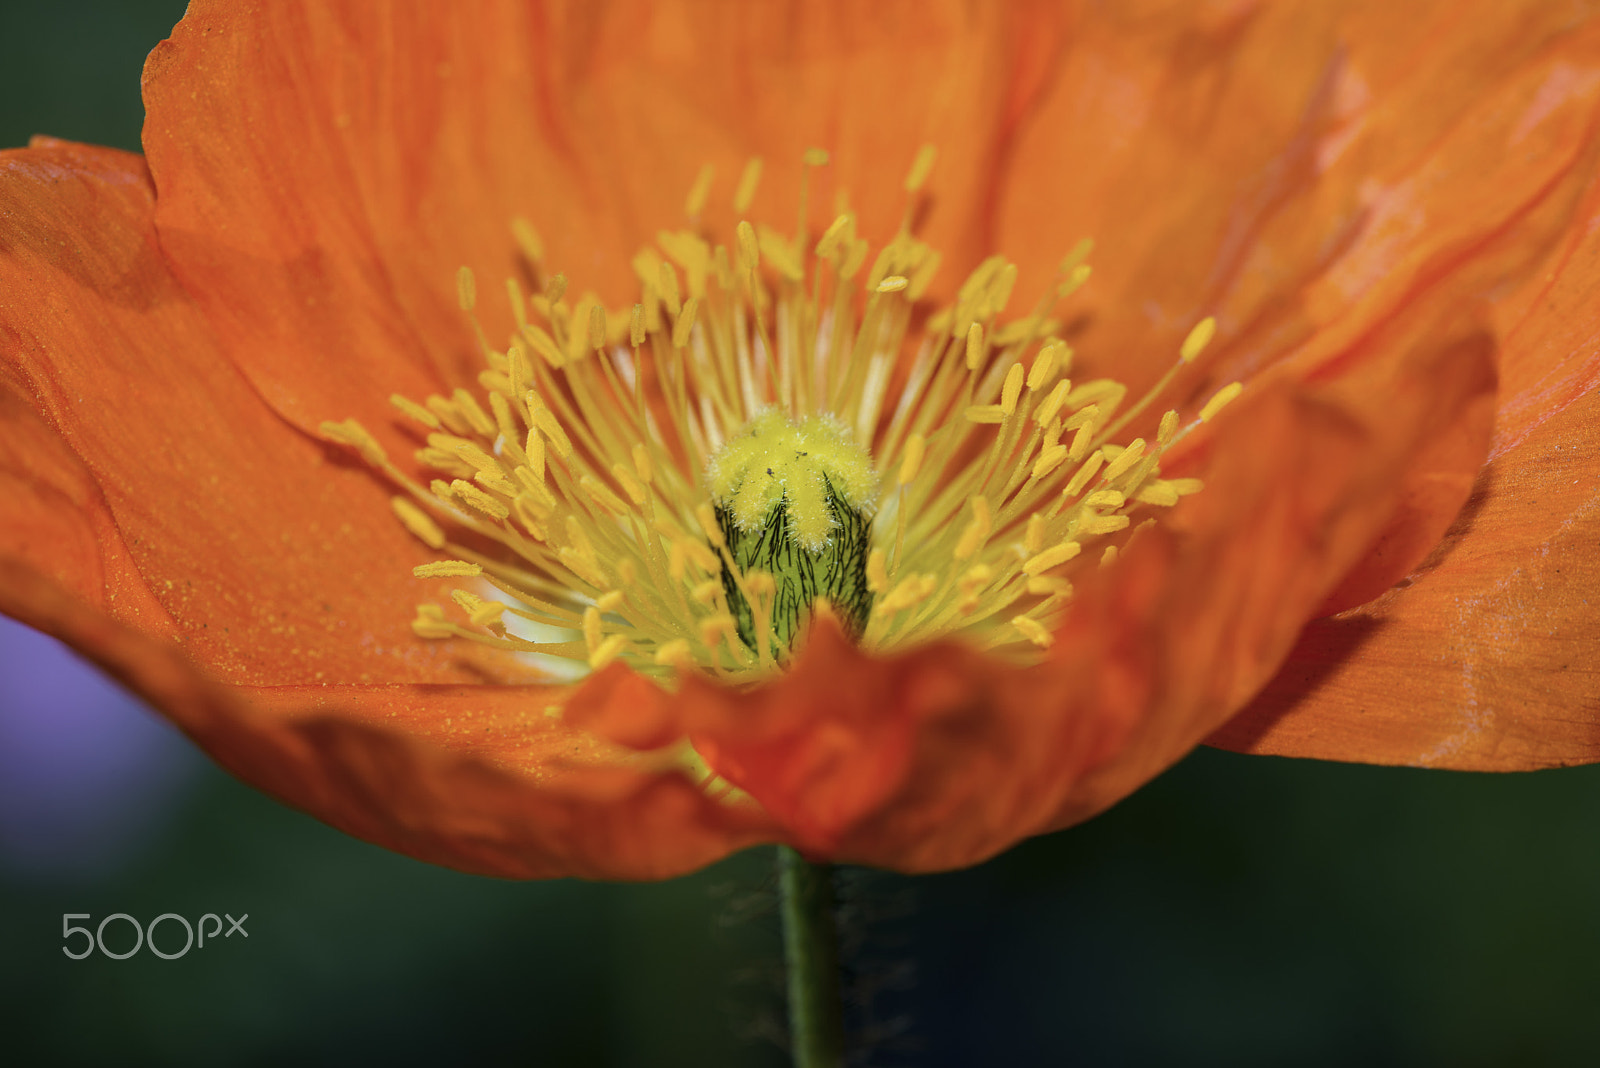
(1482, 659)
(475, 778)
(212, 522)
(325, 169)
(1266, 164)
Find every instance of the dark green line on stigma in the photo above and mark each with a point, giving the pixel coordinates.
(837, 572)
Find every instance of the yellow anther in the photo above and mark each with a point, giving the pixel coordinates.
(1161, 494)
(431, 623)
(1078, 254)
(837, 233)
(1034, 631)
(977, 529)
(1074, 281)
(1220, 400)
(1198, 339)
(908, 593)
(466, 289)
(641, 462)
(707, 592)
(974, 579)
(695, 202)
(749, 246)
(1125, 460)
(1101, 391)
(911, 460)
(495, 481)
(685, 324)
(714, 629)
(610, 601)
(1033, 540)
(414, 411)
(922, 277)
(815, 157)
(999, 294)
(1055, 556)
(749, 179)
(1081, 478)
(636, 331)
(1044, 367)
(877, 571)
(920, 167)
(974, 347)
(674, 653)
(591, 628)
(1081, 442)
(892, 284)
(601, 494)
(629, 483)
(1102, 524)
(1107, 498)
(550, 427)
(1169, 424)
(1052, 402)
(597, 327)
(1183, 487)
(1050, 458)
(1048, 586)
(480, 460)
(475, 416)
(487, 614)
(779, 254)
(543, 344)
(471, 495)
(418, 522)
(527, 239)
(667, 287)
(447, 569)
(504, 419)
(1012, 389)
(534, 451)
(607, 651)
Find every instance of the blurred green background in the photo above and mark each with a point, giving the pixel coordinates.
(1238, 911)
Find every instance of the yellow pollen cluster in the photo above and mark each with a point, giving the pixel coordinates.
(579, 488)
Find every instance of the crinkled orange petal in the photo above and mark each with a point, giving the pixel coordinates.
(1486, 658)
(325, 168)
(1264, 162)
(248, 580)
(147, 476)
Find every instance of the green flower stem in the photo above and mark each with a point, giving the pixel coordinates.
(811, 952)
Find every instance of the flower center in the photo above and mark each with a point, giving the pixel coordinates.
(679, 484)
(794, 505)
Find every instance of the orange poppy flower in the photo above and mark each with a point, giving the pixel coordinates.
(1384, 211)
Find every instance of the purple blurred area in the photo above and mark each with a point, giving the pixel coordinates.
(88, 775)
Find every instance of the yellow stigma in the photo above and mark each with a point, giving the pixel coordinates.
(775, 463)
(794, 503)
(779, 421)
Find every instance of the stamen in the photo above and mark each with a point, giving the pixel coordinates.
(687, 492)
